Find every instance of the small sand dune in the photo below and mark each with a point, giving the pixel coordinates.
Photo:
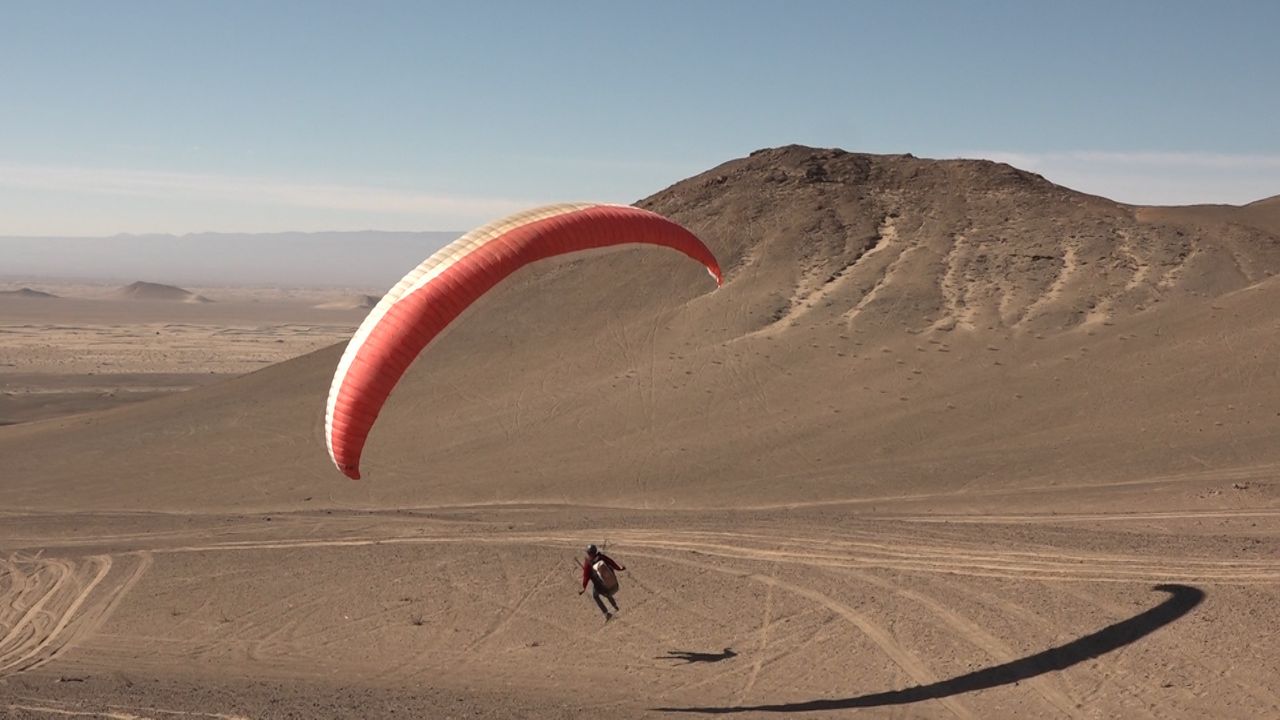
(157, 292)
(354, 302)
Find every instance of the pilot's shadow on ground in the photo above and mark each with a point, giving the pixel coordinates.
(686, 657)
(1182, 598)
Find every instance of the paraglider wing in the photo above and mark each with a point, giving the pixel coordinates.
(437, 291)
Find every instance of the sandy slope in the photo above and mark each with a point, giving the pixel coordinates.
(928, 453)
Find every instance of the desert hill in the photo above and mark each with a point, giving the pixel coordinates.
(1261, 214)
(157, 292)
(964, 243)
(890, 327)
(354, 302)
(29, 293)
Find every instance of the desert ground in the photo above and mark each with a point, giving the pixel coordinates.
(70, 347)
(951, 441)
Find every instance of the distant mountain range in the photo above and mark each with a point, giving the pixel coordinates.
(27, 292)
(367, 259)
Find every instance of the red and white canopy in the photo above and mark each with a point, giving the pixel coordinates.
(437, 291)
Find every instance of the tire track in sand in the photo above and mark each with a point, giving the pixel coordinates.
(996, 564)
(939, 557)
(913, 666)
(761, 647)
(973, 633)
(114, 712)
(514, 610)
(49, 604)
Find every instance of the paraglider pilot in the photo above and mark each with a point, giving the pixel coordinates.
(598, 570)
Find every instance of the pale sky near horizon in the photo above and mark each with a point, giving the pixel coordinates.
(177, 117)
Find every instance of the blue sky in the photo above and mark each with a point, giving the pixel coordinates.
(263, 116)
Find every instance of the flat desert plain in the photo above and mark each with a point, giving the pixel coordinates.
(70, 347)
(951, 441)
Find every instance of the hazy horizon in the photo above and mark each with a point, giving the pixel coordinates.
(368, 259)
(364, 259)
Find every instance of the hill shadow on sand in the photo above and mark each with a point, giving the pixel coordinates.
(1182, 599)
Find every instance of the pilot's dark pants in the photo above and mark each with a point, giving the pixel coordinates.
(598, 590)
